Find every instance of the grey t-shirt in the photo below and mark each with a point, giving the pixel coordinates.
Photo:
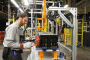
(12, 36)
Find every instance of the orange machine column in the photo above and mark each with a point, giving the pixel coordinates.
(55, 55)
(41, 55)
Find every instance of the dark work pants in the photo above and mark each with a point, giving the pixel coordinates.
(12, 55)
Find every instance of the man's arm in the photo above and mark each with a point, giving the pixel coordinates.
(11, 42)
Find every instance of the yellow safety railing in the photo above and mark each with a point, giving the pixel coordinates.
(45, 29)
(67, 34)
(38, 25)
(81, 33)
(9, 20)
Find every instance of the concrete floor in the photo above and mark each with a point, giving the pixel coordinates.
(1, 50)
(83, 53)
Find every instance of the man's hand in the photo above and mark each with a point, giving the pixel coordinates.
(33, 44)
(30, 37)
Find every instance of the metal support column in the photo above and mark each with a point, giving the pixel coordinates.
(9, 10)
(69, 3)
(31, 21)
(48, 25)
(56, 28)
(52, 27)
(74, 48)
(74, 26)
(35, 28)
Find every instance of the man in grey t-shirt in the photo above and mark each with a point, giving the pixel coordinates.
(12, 39)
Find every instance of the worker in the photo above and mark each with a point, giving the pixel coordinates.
(12, 47)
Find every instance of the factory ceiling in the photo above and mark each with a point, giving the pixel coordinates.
(4, 10)
(82, 5)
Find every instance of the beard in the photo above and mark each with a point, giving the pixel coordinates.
(21, 23)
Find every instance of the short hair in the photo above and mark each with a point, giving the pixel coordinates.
(21, 15)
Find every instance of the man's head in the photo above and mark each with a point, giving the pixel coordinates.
(22, 18)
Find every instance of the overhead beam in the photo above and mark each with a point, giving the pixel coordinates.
(80, 2)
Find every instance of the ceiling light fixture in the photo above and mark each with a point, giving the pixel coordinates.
(65, 6)
(13, 1)
(26, 2)
(21, 10)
